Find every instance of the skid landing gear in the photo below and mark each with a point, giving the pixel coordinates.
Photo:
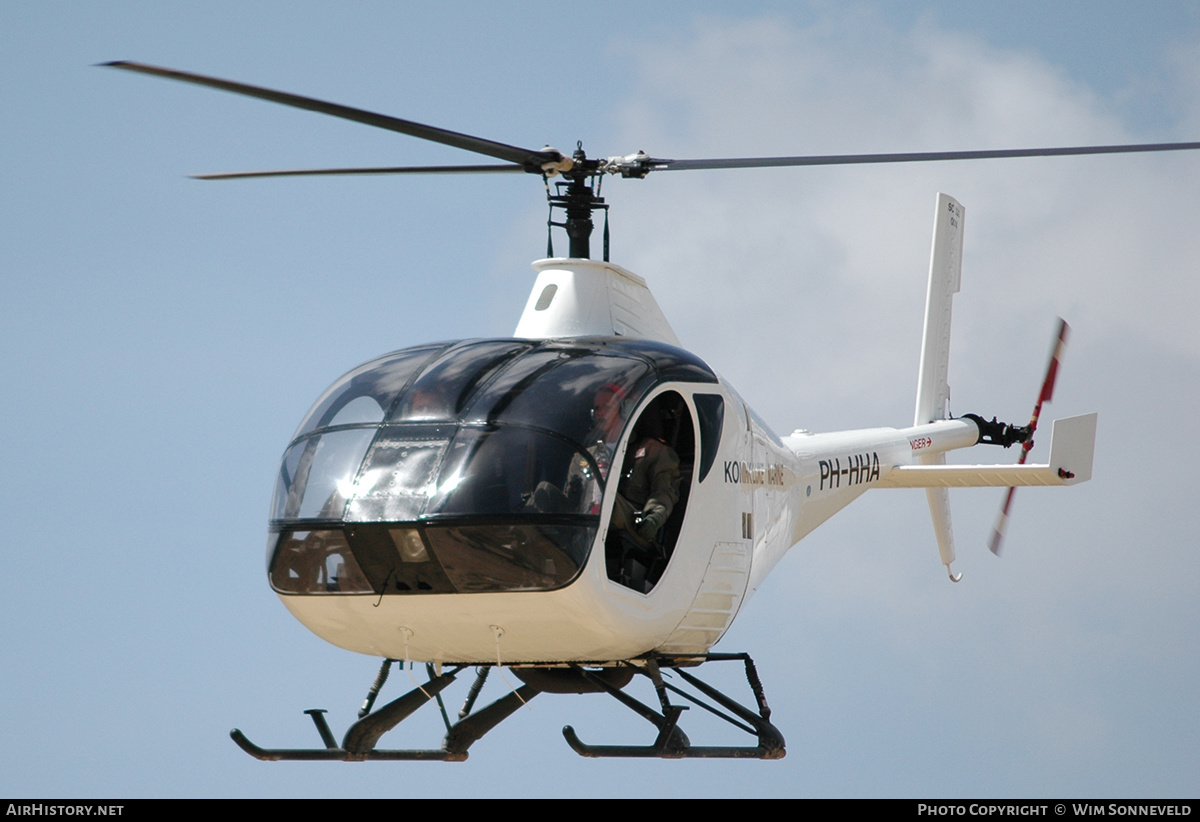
(358, 745)
(672, 742)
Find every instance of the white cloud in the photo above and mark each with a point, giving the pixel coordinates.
(805, 287)
(832, 260)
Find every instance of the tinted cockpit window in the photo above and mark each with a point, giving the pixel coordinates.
(444, 388)
(367, 392)
(430, 559)
(710, 408)
(317, 474)
(478, 465)
(503, 471)
(563, 398)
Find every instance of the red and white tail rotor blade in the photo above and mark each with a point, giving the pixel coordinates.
(1060, 345)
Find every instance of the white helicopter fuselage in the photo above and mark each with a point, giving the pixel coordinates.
(761, 496)
(595, 618)
(587, 494)
(751, 496)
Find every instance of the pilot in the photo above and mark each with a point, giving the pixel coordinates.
(649, 486)
(607, 419)
(606, 414)
(425, 402)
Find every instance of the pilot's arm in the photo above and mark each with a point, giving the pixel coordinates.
(661, 465)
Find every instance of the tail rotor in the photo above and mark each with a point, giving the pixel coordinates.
(1060, 345)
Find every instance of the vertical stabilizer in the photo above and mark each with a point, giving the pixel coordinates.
(945, 273)
(933, 387)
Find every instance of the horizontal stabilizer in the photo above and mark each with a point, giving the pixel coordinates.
(970, 476)
(1072, 444)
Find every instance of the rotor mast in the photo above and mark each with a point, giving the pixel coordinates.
(578, 198)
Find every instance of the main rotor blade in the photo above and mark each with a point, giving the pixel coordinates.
(528, 159)
(656, 164)
(316, 172)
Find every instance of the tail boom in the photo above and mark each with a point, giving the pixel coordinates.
(1072, 445)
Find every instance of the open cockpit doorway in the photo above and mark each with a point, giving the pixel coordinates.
(652, 493)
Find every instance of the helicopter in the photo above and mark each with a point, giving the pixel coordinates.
(469, 504)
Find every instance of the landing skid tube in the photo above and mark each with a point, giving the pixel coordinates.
(359, 743)
(672, 742)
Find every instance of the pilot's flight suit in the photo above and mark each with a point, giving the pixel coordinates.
(650, 484)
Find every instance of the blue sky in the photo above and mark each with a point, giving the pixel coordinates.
(161, 338)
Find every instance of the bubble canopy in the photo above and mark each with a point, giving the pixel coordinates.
(426, 470)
